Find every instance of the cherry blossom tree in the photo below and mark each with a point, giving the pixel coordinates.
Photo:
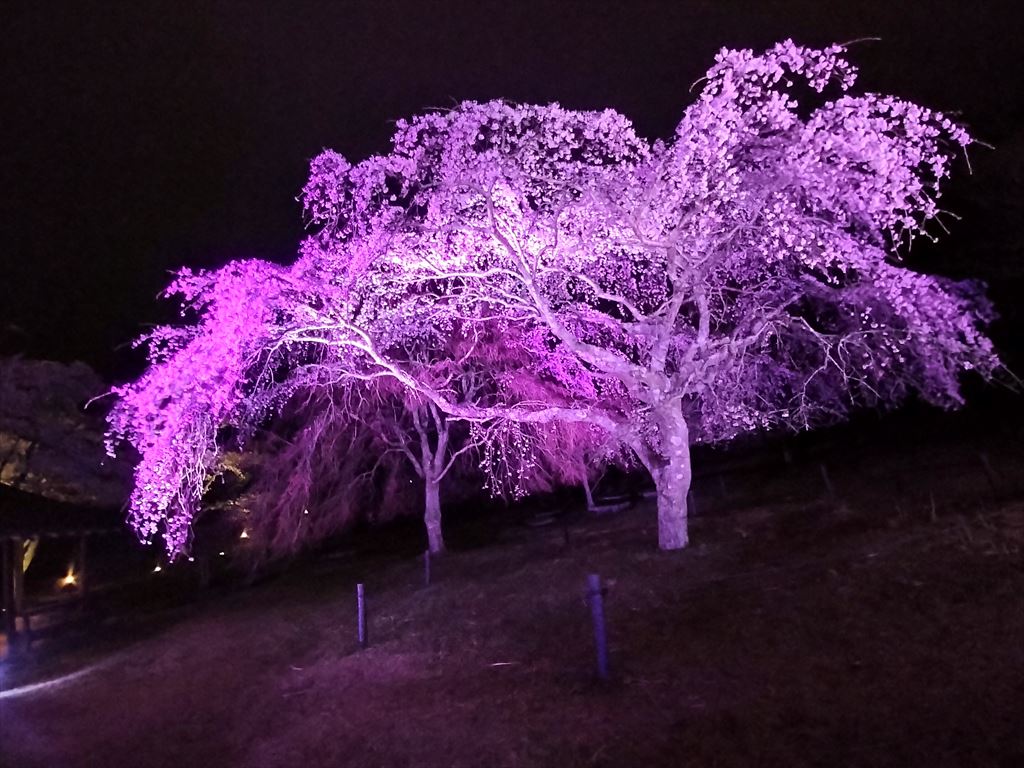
(342, 453)
(314, 470)
(743, 274)
(426, 438)
(340, 420)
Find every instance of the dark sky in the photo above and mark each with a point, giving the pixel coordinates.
(136, 137)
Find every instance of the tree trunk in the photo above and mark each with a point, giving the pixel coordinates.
(432, 516)
(672, 477)
(587, 491)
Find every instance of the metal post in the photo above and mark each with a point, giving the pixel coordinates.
(595, 595)
(364, 640)
(426, 568)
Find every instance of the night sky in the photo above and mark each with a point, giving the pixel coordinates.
(136, 137)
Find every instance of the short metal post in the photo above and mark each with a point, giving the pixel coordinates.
(595, 595)
(426, 568)
(364, 640)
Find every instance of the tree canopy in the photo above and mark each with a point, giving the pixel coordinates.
(539, 266)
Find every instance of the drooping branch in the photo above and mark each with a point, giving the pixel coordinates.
(516, 267)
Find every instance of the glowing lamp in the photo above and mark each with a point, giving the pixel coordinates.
(70, 579)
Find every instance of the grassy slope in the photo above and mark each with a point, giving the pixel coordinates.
(791, 633)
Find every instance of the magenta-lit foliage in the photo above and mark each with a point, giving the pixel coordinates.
(744, 274)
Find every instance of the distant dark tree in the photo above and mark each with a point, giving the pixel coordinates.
(50, 443)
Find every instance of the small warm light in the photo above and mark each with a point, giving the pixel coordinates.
(305, 511)
(70, 579)
(191, 559)
(157, 569)
(245, 533)
(221, 554)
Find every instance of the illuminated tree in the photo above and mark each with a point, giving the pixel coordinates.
(341, 453)
(742, 275)
(424, 436)
(314, 470)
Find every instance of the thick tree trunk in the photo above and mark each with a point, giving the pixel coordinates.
(672, 477)
(432, 516)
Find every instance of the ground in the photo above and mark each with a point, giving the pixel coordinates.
(880, 625)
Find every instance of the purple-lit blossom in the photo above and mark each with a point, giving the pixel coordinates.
(742, 275)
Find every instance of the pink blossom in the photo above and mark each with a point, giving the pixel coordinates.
(742, 275)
